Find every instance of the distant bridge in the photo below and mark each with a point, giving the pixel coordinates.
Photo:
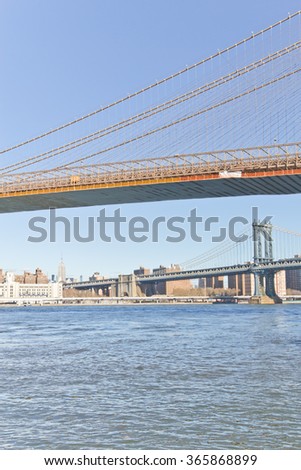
(263, 267)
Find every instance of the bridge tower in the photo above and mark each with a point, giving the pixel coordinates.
(127, 286)
(264, 289)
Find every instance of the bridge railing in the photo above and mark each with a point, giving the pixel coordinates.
(266, 158)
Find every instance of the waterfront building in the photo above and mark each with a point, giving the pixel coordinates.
(142, 271)
(211, 282)
(96, 277)
(280, 283)
(38, 277)
(11, 289)
(293, 278)
(162, 287)
(171, 287)
(244, 284)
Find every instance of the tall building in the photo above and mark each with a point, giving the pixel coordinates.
(41, 278)
(248, 284)
(38, 277)
(142, 271)
(280, 283)
(96, 277)
(179, 287)
(61, 273)
(243, 284)
(211, 282)
(235, 282)
(171, 287)
(147, 289)
(293, 278)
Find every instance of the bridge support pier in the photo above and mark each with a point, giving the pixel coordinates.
(260, 296)
(113, 290)
(106, 291)
(264, 281)
(97, 290)
(258, 284)
(264, 289)
(127, 286)
(270, 287)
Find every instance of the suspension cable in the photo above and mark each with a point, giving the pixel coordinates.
(152, 111)
(153, 85)
(185, 118)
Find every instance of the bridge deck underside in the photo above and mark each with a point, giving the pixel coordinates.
(157, 191)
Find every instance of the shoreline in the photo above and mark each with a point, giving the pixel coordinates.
(135, 301)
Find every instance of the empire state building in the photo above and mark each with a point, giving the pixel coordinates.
(61, 273)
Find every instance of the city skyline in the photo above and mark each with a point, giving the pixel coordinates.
(288, 282)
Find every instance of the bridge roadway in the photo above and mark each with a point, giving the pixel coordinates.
(265, 170)
(270, 266)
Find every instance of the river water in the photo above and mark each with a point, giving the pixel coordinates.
(150, 377)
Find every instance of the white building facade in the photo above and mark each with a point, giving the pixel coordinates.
(11, 290)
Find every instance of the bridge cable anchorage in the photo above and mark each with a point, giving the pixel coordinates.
(148, 113)
(186, 70)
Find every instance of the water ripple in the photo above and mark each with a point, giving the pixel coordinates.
(150, 377)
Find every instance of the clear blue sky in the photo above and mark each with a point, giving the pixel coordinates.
(61, 59)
